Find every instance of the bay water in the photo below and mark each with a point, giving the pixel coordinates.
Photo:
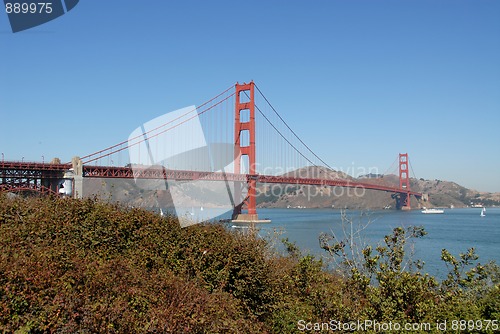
(456, 230)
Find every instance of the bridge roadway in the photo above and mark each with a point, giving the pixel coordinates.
(32, 170)
(185, 175)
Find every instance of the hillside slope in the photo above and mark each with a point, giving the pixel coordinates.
(441, 194)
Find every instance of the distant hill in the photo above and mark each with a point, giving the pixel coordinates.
(446, 193)
(441, 193)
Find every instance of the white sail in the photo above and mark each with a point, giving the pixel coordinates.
(483, 212)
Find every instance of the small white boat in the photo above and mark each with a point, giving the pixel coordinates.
(240, 226)
(425, 210)
(483, 212)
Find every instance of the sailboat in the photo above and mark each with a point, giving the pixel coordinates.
(483, 212)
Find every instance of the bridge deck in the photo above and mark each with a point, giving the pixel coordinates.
(185, 175)
(27, 170)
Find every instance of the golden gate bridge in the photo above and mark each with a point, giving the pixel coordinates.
(262, 146)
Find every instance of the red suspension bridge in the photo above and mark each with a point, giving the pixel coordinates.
(232, 125)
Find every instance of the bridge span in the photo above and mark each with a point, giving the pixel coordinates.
(241, 119)
(48, 178)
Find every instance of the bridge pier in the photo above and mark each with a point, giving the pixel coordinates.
(405, 201)
(76, 162)
(51, 182)
(401, 201)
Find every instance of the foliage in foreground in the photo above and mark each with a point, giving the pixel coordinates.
(86, 266)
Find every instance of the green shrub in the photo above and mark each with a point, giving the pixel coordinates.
(86, 266)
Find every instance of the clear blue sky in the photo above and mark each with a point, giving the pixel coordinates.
(378, 77)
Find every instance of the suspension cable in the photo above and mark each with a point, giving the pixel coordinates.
(411, 167)
(142, 134)
(391, 169)
(293, 132)
(161, 132)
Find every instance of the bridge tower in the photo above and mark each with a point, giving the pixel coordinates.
(244, 134)
(404, 182)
